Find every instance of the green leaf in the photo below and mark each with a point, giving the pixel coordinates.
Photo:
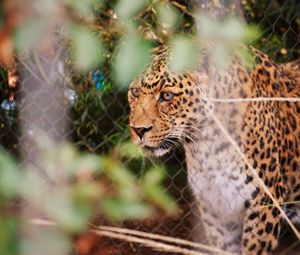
(46, 8)
(221, 56)
(45, 240)
(84, 192)
(167, 15)
(155, 193)
(120, 209)
(127, 8)
(72, 217)
(208, 27)
(9, 236)
(84, 7)
(87, 48)
(122, 178)
(86, 164)
(184, 53)
(29, 34)
(252, 33)
(230, 31)
(132, 56)
(9, 175)
(154, 176)
(130, 150)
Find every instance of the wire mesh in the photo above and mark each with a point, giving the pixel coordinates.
(98, 116)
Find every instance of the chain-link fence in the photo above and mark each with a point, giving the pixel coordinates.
(90, 109)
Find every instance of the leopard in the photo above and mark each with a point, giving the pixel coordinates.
(240, 136)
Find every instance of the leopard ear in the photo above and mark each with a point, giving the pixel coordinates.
(260, 57)
(199, 78)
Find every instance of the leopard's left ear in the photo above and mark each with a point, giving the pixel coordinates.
(199, 78)
(261, 57)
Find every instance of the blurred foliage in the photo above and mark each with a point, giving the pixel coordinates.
(117, 35)
(77, 186)
(109, 43)
(127, 66)
(86, 48)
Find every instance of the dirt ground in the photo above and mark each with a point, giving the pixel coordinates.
(92, 244)
(182, 227)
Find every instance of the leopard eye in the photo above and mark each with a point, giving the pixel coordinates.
(167, 96)
(135, 92)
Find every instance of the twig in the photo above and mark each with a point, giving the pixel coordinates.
(42, 222)
(163, 238)
(252, 99)
(30, 70)
(40, 67)
(144, 238)
(149, 243)
(284, 203)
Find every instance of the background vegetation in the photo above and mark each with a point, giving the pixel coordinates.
(103, 39)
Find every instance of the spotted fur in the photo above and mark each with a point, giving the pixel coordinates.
(169, 107)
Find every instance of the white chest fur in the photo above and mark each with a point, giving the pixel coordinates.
(216, 175)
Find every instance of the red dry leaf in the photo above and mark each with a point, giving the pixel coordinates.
(6, 49)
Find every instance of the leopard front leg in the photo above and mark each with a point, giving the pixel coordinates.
(262, 225)
(225, 235)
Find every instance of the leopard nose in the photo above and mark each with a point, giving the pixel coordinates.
(140, 131)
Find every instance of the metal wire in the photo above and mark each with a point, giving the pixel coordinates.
(102, 122)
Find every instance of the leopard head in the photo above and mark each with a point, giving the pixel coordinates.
(166, 106)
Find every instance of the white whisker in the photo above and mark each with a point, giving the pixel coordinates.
(192, 127)
(184, 133)
(174, 143)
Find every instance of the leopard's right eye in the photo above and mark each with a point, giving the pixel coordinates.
(135, 92)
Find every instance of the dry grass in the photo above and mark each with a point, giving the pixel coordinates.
(252, 99)
(154, 241)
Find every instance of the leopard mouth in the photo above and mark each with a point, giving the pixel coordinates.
(156, 151)
(163, 148)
